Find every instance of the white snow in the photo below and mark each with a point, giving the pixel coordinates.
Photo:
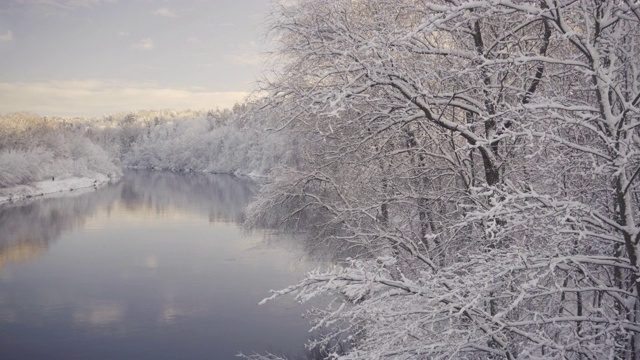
(41, 188)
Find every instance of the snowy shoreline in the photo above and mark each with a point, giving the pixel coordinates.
(47, 187)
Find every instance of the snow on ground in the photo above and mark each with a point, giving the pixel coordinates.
(41, 188)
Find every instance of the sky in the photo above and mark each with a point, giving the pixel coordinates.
(98, 57)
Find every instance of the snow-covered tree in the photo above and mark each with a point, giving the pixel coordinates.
(33, 148)
(228, 141)
(480, 160)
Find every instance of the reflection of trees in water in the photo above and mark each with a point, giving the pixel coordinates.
(223, 197)
(29, 228)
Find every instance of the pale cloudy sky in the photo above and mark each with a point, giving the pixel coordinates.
(96, 57)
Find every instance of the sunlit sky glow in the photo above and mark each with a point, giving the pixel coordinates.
(96, 57)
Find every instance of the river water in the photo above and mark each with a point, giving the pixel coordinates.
(153, 267)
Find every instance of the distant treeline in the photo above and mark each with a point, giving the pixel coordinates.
(33, 148)
(235, 141)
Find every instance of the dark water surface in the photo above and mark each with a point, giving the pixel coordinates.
(154, 267)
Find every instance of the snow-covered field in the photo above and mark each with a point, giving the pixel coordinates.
(52, 186)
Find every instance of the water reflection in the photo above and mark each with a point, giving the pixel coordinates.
(222, 196)
(28, 228)
(153, 267)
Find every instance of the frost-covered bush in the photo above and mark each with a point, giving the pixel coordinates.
(33, 149)
(20, 167)
(215, 142)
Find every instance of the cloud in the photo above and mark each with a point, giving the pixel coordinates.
(66, 3)
(165, 12)
(144, 44)
(247, 54)
(58, 7)
(6, 37)
(123, 33)
(151, 262)
(87, 3)
(96, 97)
(246, 59)
(193, 40)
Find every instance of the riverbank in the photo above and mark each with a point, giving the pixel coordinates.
(53, 186)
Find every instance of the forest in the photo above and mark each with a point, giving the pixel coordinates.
(472, 166)
(230, 141)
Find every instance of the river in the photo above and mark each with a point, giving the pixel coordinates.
(156, 266)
